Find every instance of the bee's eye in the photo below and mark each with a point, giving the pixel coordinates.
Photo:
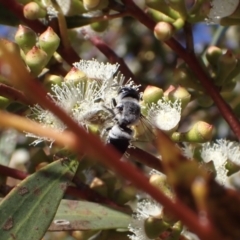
(119, 108)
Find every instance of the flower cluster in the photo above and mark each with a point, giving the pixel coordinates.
(87, 94)
(220, 153)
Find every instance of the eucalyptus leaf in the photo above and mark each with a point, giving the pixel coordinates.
(28, 210)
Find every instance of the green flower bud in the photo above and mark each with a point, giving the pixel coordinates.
(163, 31)
(95, 4)
(76, 76)
(162, 7)
(99, 26)
(99, 186)
(4, 102)
(204, 101)
(179, 6)
(176, 231)
(229, 86)
(160, 181)
(182, 94)
(25, 37)
(178, 23)
(213, 53)
(33, 11)
(185, 78)
(154, 227)
(226, 64)
(200, 132)
(234, 72)
(152, 94)
(159, 16)
(36, 59)
(49, 41)
(50, 79)
(71, 7)
(110, 180)
(232, 167)
(125, 194)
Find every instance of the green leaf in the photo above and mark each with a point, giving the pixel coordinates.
(82, 215)
(28, 210)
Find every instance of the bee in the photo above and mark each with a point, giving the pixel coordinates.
(127, 111)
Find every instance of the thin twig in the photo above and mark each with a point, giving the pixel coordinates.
(13, 94)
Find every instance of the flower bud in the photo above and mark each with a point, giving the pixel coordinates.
(200, 132)
(204, 101)
(4, 102)
(213, 53)
(95, 4)
(234, 72)
(25, 38)
(99, 186)
(185, 78)
(125, 194)
(76, 76)
(49, 41)
(33, 11)
(99, 26)
(50, 79)
(226, 64)
(229, 86)
(162, 7)
(152, 94)
(154, 227)
(159, 16)
(110, 180)
(181, 94)
(71, 7)
(160, 181)
(163, 31)
(36, 59)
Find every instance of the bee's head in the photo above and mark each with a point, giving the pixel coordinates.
(128, 92)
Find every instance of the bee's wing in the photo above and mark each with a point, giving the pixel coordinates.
(143, 131)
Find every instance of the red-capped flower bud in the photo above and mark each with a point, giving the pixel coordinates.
(34, 11)
(49, 41)
(152, 94)
(200, 132)
(25, 37)
(36, 59)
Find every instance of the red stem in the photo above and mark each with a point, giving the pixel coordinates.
(193, 63)
(12, 93)
(69, 55)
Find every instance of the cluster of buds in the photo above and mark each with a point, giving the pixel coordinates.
(224, 67)
(164, 110)
(36, 53)
(170, 15)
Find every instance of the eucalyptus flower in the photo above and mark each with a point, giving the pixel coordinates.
(145, 209)
(220, 152)
(164, 115)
